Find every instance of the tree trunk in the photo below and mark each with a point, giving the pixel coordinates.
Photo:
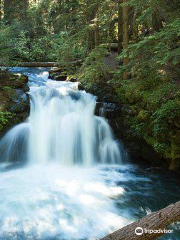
(96, 22)
(135, 27)
(125, 35)
(120, 27)
(155, 221)
(90, 16)
(0, 11)
(7, 11)
(25, 6)
(156, 21)
(40, 64)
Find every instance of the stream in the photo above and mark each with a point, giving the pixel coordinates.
(63, 174)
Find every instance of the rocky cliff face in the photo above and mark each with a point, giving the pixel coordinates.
(14, 100)
(116, 112)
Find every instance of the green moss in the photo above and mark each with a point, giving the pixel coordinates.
(155, 104)
(143, 115)
(7, 88)
(5, 118)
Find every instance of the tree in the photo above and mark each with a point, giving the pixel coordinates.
(96, 22)
(125, 34)
(120, 27)
(7, 11)
(25, 7)
(0, 11)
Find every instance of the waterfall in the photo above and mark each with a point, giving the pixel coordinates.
(61, 128)
(49, 199)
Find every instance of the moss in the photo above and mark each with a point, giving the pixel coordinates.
(7, 88)
(155, 104)
(5, 117)
(143, 115)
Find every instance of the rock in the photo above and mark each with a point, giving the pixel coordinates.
(154, 170)
(80, 86)
(107, 110)
(61, 77)
(72, 79)
(13, 98)
(177, 123)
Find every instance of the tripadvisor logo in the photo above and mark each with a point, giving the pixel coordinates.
(139, 231)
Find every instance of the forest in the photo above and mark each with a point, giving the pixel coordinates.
(124, 55)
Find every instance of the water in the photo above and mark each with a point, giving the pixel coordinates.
(62, 174)
(61, 128)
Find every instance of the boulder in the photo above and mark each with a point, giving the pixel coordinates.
(14, 99)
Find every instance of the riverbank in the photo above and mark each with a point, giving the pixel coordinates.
(14, 100)
(144, 114)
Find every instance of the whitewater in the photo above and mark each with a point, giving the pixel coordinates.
(63, 174)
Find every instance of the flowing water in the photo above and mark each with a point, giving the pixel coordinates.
(63, 174)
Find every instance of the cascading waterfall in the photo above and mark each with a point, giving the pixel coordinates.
(62, 192)
(61, 128)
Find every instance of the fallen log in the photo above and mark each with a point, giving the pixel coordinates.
(150, 227)
(30, 64)
(40, 64)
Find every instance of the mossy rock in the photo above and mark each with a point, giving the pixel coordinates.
(177, 123)
(175, 145)
(174, 164)
(143, 116)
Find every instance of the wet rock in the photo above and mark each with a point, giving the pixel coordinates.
(80, 86)
(61, 77)
(58, 75)
(154, 170)
(14, 99)
(72, 79)
(108, 110)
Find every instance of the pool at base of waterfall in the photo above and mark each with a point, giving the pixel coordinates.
(62, 174)
(52, 202)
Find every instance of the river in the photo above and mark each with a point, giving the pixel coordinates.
(63, 174)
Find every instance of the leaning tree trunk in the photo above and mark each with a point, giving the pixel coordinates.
(154, 221)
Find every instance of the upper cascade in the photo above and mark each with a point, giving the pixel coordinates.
(61, 128)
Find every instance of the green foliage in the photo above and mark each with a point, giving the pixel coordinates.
(5, 46)
(152, 56)
(41, 49)
(152, 90)
(20, 50)
(68, 49)
(13, 44)
(155, 112)
(94, 68)
(7, 88)
(4, 118)
(53, 30)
